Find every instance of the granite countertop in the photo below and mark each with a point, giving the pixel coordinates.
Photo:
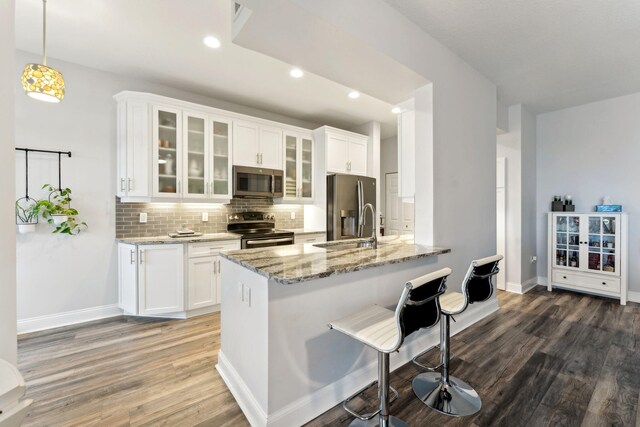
(302, 262)
(301, 231)
(156, 240)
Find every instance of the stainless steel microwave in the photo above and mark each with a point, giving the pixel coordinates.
(257, 182)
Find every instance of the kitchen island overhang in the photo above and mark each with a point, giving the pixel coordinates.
(278, 358)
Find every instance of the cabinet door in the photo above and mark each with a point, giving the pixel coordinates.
(160, 279)
(220, 185)
(203, 273)
(306, 169)
(567, 238)
(336, 152)
(127, 279)
(357, 156)
(167, 152)
(603, 243)
(271, 147)
(137, 150)
(196, 155)
(291, 153)
(246, 145)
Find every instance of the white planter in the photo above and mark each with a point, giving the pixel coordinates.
(59, 219)
(26, 228)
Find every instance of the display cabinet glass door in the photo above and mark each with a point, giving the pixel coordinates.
(221, 159)
(567, 241)
(196, 156)
(306, 169)
(291, 167)
(167, 151)
(603, 243)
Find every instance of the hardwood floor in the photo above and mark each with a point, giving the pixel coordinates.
(545, 359)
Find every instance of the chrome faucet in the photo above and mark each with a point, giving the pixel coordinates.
(373, 240)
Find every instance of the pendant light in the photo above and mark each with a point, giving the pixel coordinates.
(39, 81)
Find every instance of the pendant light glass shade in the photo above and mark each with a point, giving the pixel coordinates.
(43, 83)
(38, 80)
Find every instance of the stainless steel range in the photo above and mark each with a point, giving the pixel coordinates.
(257, 230)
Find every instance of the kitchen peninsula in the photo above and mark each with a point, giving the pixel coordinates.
(278, 358)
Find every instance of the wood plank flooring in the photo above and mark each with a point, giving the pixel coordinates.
(545, 359)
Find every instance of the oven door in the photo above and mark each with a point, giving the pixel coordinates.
(265, 242)
(257, 182)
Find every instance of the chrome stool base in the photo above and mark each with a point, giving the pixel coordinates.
(455, 397)
(376, 422)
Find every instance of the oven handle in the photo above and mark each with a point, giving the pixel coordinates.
(283, 239)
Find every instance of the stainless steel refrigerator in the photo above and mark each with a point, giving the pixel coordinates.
(346, 194)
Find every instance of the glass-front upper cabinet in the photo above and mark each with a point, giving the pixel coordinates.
(306, 166)
(298, 167)
(196, 156)
(167, 156)
(291, 166)
(220, 179)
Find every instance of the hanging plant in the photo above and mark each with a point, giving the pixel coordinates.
(58, 212)
(27, 212)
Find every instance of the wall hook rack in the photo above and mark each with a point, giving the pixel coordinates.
(33, 150)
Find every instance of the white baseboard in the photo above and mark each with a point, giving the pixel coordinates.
(542, 280)
(633, 296)
(312, 405)
(56, 320)
(522, 288)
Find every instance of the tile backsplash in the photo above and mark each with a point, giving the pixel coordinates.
(163, 218)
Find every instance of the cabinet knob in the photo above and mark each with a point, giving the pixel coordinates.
(604, 283)
(564, 277)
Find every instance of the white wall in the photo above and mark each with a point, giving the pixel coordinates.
(8, 77)
(388, 164)
(518, 146)
(57, 273)
(591, 151)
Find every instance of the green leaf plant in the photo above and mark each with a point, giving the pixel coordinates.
(58, 203)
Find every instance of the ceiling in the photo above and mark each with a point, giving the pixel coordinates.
(161, 41)
(545, 54)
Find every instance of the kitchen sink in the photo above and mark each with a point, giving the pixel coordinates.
(339, 246)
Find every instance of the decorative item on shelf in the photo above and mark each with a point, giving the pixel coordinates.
(606, 206)
(40, 81)
(168, 166)
(556, 205)
(568, 204)
(194, 169)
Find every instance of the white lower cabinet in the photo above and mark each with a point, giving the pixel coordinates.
(160, 279)
(170, 280)
(310, 238)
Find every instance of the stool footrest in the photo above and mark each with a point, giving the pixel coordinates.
(429, 368)
(367, 416)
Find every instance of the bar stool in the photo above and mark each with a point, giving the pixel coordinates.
(384, 330)
(438, 390)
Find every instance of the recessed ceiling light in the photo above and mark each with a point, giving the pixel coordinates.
(296, 73)
(354, 94)
(396, 110)
(212, 42)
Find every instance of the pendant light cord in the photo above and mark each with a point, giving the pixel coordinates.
(44, 32)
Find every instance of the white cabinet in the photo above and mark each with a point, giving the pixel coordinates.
(160, 279)
(406, 155)
(128, 278)
(310, 238)
(298, 167)
(588, 252)
(133, 148)
(257, 145)
(204, 272)
(346, 152)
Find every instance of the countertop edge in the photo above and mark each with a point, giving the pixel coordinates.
(306, 278)
(161, 240)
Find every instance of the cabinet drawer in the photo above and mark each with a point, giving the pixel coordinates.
(212, 248)
(311, 238)
(610, 284)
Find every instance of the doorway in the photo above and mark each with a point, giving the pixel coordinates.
(399, 214)
(501, 218)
